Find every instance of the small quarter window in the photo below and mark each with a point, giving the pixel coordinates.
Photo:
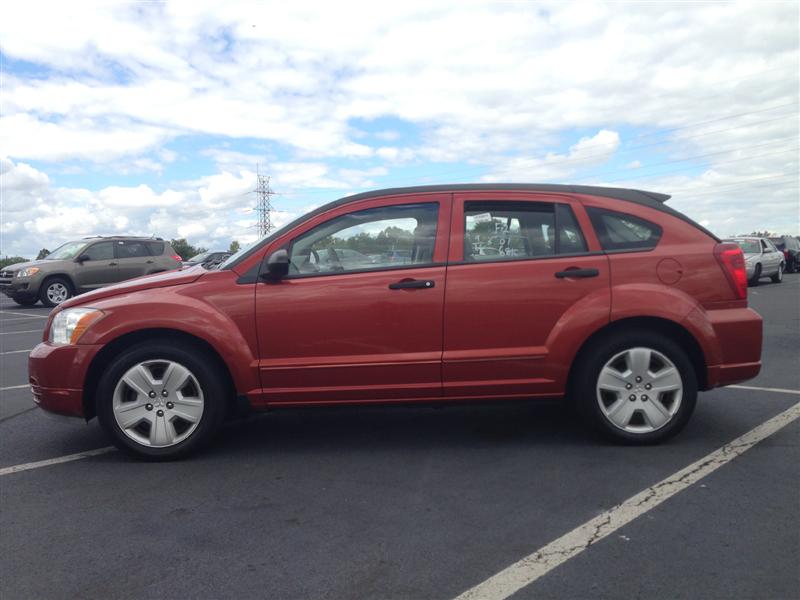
(620, 231)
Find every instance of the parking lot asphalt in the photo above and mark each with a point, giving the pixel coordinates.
(403, 502)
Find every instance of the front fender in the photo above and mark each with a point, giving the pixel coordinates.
(204, 310)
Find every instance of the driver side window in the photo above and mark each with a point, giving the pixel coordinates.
(375, 238)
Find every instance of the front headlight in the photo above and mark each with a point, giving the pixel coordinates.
(71, 323)
(27, 272)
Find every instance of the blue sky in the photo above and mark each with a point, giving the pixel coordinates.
(143, 118)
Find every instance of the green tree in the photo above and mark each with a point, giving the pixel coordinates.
(11, 260)
(42, 253)
(184, 249)
(234, 247)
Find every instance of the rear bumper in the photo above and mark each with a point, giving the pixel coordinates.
(57, 375)
(738, 335)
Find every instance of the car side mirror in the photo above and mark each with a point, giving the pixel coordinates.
(277, 266)
(83, 257)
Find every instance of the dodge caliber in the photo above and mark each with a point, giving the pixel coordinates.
(605, 298)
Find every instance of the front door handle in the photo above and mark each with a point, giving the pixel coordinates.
(412, 284)
(577, 273)
(112, 264)
(150, 262)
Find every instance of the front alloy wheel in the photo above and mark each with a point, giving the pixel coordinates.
(158, 403)
(639, 390)
(162, 399)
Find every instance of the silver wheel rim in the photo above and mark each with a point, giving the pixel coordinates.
(57, 292)
(639, 390)
(158, 403)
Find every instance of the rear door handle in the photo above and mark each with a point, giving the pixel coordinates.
(412, 284)
(577, 273)
(112, 264)
(150, 262)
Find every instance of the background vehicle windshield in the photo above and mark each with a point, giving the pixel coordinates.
(748, 246)
(199, 257)
(66, 251)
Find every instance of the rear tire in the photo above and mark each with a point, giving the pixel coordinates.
(778, 277)
(756, 276)
(635, 387)
(55, 291)
(161, 400)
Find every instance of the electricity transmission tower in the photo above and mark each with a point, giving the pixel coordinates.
(264, 206)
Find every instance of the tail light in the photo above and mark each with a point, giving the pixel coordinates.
(731, 259)
(786, 254)
(177, 258)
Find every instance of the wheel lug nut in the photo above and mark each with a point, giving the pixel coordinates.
(632, 397)
(170, 405)
(152, 394)
(645, 398)
(638, 379)
(164, 393)
(628, 386)
(160, 413)
(148, 406)
(647, 386)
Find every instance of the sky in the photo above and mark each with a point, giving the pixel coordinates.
(151, 118)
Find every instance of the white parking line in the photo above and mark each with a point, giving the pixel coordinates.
(763, 389)
(29, 315)
(54, 461)
(532, 567)
(15, 351)
(25, 331)
(14, 387)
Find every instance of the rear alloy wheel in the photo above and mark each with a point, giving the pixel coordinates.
(55, 291)
(637, 388)
(160, 401)
(778, 277)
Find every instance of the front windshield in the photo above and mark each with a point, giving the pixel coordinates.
(245, 249)
(749, 246)
(66, 251)
(199, 257)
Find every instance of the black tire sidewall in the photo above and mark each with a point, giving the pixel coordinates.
(26, 302)
(202, 367)
(756, 276)
(50, 281)
(598, 354)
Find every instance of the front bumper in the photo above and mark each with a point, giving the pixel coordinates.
(57, 375)
(22, 289)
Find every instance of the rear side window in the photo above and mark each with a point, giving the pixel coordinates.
(156, 248)
(620, 231)
(132, 250)
(517, 230)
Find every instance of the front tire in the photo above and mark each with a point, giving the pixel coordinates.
(756, 276)
(55, 290)
(636, 387)
(161, 400)
(778, 277)
(26, 301)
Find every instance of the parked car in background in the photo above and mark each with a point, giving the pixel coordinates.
(83, 265)
(207, 258)
(616, 303)
(791, 251)
(761, 258)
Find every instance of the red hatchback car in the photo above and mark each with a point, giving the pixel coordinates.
(605, 297)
